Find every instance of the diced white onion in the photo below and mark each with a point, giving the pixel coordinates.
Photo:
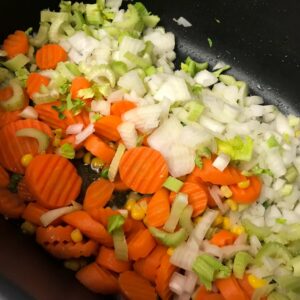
(74, 128)
(205, 78)
(83, 135)
(101, 106)
(176, 283)
(214, 250)
(221, 162)
(183, 22)
(128, 134)
(132, 81)
(29, 113)
(116, 96)
(215, 193)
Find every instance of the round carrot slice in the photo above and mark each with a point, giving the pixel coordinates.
(143, 169)
(121, 107)
(16, 43)
(54, 234)
(53, 180)
(49, 56)
(23, 191)
(13, 148)
(107, 127)
(7, 117)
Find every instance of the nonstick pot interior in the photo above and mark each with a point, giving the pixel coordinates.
(259, 38)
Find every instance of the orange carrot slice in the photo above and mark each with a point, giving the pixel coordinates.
(163, 276)
(245, 285)
(148, 266)
(223, 238)
(50, 116)
(33, 212)
(81, 118)
(230, 289)
(107, 127)
(119, 185)
(4, 178)
(16, 43)
(98, 280)
(53, 234)
(71, 250)
(209, 173)
(158, 209)
(49, 56)
(143, 169)
(52, 180)
(78, 83)
(134, 287)
(34, 83)
(107, 259)
(101, 214)
(13, 147)
(98, 194)
(249, 194)
(89, 227)
(23, 191)
(202, 293)
(99, 148)
(7, 117)
(140, 245)
(11, 206)
(121, 107)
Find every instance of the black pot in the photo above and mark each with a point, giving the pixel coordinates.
(259, 38)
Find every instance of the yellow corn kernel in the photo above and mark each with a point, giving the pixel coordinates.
(58, 133)
(238, 229)
(226, 191)
(72, 264)
(244, 184)
(56, 142)
(218, 220)
(170, 251)
(144, 205)
(232, 204)
(226, 223)
(197, 220)
(26, 159)
(96, 163)
(76, 236)
(137, 212)
(87, 158)
(28, 228)
(130, 203)
(256, 282)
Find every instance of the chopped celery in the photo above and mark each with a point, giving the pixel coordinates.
(120, 245)
(173, 184)
(277, 296)
(67, 151)
(273, 249)
(203, 151)
(17, 100)
(192, 67)
(198, 161)
(168, 239)
(151, 21)
(86, 93)
(141, 9)
(227, 79)
(237, 148)
(115, 222)
(22, 75)
(289, 283)
(291, 174)
(241, 261)
(119, 68)
(272, 142)
(41, 37)
(78, 19)
(140, 62)
(150, 71)
(195, 109)
(291, 232)
(42, 138)
(185, 220)
(180, 202)
(51, 16)
(208, 269)
(93, 15)
(65, 71)
(251, 229)
(4, 74)
(16, 63)
(218, 72)
(65, 6)
(101, 74)
(73, 68)
(56, 32)
(131, 20)
(286, 190)
(101, 4)
(68, 29)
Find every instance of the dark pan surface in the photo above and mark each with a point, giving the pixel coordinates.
(259, 38)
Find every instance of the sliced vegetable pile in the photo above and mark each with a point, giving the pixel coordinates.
(193, 185)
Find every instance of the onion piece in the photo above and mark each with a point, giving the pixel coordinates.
(116, 96)
(214, 250)
(29, 113)
(221, 162)
(191, 280)
(215, 193)
(74, 128)
(176, 283)
(230, 251)
(241, 239)
(51, 215)
(128, 134)
(114, 166)
(83, 135)
(181, 21)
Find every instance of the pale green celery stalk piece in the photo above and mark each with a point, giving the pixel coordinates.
(67, 151)
(168, 239)
(17, 100)
(195, 109)
(151, 21)
(16, 63)
(272, 142)
(241, 261)
(291, 174)
(286, 190)
(289, 283)
(42, 138)
(119, 68)
(185, 220)
(79, 20)
(173, 184)
(50, 16)
(138, 61)
(120, 244)
(218, 72)
(73, 68)
(93, 15)
(41, 37)
(227, 79)
(4, 74)
(115, 222)
(251, 229)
